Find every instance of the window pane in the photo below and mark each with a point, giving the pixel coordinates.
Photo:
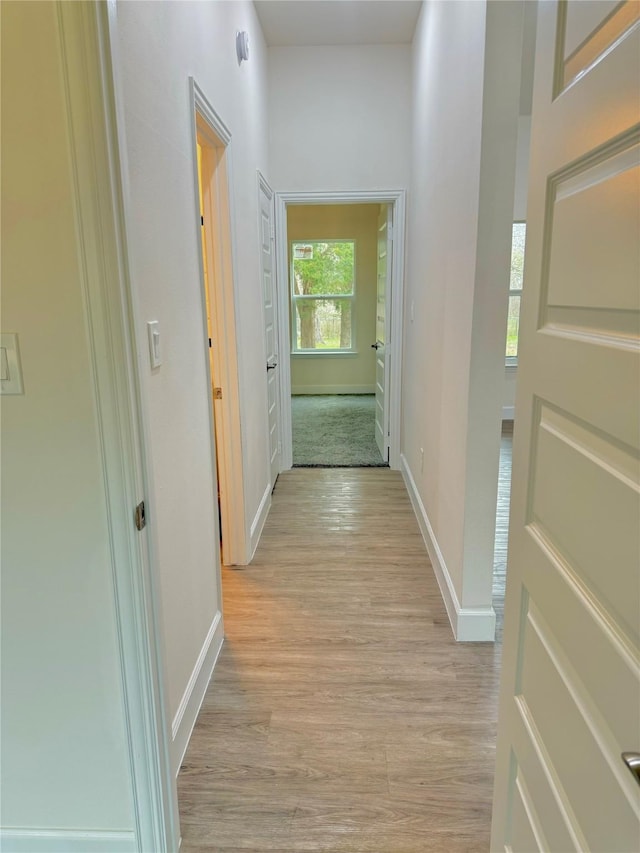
(513, 322)
(517, 255)
(323, 324)
(322, 268)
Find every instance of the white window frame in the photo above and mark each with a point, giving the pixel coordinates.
(512, 360)
(294, 298)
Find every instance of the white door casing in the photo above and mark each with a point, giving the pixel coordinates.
(270, 302)
(383, 293)
(396, 199)
(98, 164)
(226, 432)
(570, 694)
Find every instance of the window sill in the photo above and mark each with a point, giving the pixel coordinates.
(326, 354)
(511, 365)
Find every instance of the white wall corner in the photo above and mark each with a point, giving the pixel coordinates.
(257, 525)
(187, 713)
(488, 381)
(20, 840)
(469, 624)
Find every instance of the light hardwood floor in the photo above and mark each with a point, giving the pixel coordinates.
(502, 525)
(341, 716)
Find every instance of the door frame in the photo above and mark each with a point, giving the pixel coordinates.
(88, 43)
(396, 198)
(226, 443)
(386, 408)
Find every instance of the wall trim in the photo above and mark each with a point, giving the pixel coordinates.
(66, 841)
(187, 713)
(203, 106)
(257, 525)
(333, 389)
(397, 198)
(469, 624)
(97, 162)
(223, 293)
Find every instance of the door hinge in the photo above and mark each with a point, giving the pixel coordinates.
(217, 393)
(139, 516)
(209, 343)
(202, 220)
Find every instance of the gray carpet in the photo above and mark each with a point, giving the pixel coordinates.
(335, 431)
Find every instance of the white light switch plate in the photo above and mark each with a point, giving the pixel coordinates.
(10, 369)
(153, 331)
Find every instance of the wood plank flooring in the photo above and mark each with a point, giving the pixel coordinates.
(502, 525)
(341, 716)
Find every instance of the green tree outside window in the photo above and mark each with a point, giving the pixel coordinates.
(322, 295)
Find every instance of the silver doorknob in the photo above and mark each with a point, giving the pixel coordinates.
(271, 365)
(632, 760)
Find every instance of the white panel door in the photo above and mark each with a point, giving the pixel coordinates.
(381, 345)
(570, 696)
(270, 326)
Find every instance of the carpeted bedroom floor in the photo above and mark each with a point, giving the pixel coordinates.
(335, 431)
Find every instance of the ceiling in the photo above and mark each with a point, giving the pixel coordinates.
(334, 22)
(338, 22)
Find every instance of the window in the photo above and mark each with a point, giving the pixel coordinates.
(322, 296)
(515, 291)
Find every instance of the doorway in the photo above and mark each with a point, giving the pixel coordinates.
(332, 288)
(516, 279)
(218, 296)
(334, 364)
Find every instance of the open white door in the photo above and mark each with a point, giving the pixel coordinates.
(270, 326)
(570, 698)
(381, 346)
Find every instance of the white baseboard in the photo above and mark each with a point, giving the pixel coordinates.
(20, 840)
(257, 524)
(332, 389)
(193, 696)
(468, 624)
(508, 413)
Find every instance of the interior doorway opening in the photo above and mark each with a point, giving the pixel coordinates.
(219, 338)
(516, 280)
(337, 291)
(341, 327)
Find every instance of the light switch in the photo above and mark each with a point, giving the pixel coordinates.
(153, 331)
(10, 370)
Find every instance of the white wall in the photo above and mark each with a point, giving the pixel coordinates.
(159, 46)
(340, 117)
(352, 373)
(509, 393)
(460, 212)
(64, 756)
(522, 169)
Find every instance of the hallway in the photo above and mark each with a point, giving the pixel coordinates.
(342, 715)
